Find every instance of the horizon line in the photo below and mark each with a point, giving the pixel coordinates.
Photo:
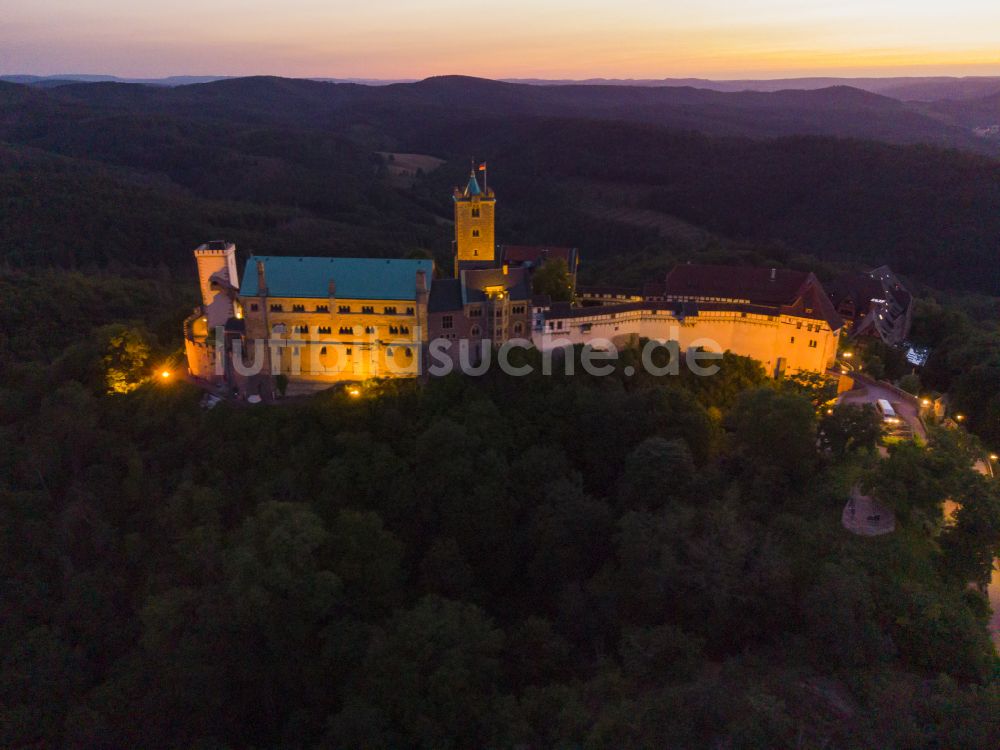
(502, 79)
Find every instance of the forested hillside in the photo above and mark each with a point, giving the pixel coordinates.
(278, 165)
(477, 562)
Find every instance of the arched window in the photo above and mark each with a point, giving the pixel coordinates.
(474, 331)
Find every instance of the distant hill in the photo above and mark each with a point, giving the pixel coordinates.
(904, 88)
(277, 164)
(397, 111)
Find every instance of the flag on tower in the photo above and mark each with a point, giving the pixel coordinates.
(482, 167)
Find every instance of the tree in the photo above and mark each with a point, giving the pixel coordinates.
(774, 429)
(429, 679)
(850, 428)
(553, 278)
(127, 351)
(656, 471)
(911, 383)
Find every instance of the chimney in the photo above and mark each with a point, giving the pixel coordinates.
(261, 281)
(421, 282)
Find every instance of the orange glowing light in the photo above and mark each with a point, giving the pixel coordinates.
(165, 374)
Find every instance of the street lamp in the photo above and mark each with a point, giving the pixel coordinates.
(959, 417)
(165, 374)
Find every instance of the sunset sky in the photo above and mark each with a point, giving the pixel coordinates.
(513, 38)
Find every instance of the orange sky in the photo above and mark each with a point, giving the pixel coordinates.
(515, 38)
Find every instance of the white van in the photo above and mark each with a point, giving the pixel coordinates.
(886, 410)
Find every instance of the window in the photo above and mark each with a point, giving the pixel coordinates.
(475, 312)
(388, 351)
(799, 325)
(390, 310)
(322, 351)
(475, 232)
(322, 308)
(370, 329)
(393, 330)
(404, 329)
(809, 327)
(275, 308)
(346, 330)
(475, 212)
(474, 331)
(409, 311)
(344, 309)
(302, 329)
(792, 341)
(812, 343)
(324, 330)
(743, 315)
(367, 309)
(348, 351)
(517, 310)
(408, 352)
(298, 308)
(446, 321)
(518, 328)
(253, 307)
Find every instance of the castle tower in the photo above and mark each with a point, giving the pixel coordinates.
(475, 244)
(217, 278)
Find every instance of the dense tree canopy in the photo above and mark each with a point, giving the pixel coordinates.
(494, 561)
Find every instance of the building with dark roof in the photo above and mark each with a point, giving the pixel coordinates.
(780, 317)
(874, 304)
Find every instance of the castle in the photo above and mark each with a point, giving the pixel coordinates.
(322, 321)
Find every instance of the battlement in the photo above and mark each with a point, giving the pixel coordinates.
(216, 247)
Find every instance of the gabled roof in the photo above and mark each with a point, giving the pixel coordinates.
(761, 285)
(536, 254)
(354, 278)
(794, 292)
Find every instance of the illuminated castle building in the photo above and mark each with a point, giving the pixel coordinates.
(319, 321)
(779, 317)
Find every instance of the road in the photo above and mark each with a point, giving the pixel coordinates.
(870, 392)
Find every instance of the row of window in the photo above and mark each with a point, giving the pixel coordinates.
(342, 309)
(477, 312)
(407, 351)
(812, 343)
(448, 322)
(810, 326)
(348, 330)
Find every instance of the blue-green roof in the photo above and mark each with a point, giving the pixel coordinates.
(355, 278)
(473, 187)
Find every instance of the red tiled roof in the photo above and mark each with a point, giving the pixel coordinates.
(796, 292)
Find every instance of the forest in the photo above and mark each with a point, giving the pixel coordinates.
(566, 561)
(562, 561)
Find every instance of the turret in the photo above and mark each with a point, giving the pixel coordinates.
(217, 278)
